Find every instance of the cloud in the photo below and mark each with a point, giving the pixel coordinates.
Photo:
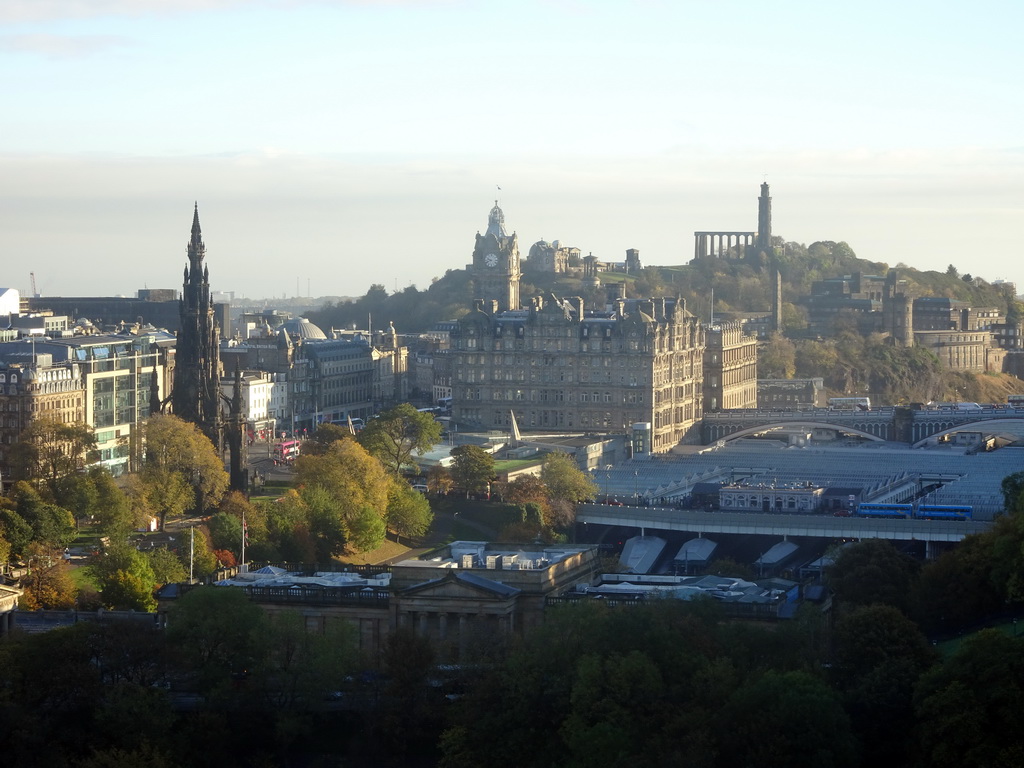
(61, 46)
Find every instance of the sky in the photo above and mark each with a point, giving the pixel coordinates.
(332, 145)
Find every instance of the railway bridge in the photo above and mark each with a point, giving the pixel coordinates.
(916, 427)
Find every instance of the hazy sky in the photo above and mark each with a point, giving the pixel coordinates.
(332, 145)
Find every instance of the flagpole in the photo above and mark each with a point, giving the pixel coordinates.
(245, 535)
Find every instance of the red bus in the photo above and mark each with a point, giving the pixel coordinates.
(286, 450)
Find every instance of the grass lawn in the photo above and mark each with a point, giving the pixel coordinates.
(386, 551)
(948, 647)
(80, 575)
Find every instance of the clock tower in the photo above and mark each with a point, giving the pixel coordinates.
(495, 268)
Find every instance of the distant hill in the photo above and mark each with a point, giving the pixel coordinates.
(737, 284)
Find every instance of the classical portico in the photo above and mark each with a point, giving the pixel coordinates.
(718, 243)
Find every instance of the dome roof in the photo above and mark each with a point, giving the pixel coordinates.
(301, 327)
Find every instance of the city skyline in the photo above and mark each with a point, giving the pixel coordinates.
(336, 145)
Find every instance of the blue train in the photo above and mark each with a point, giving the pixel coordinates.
(920, 512)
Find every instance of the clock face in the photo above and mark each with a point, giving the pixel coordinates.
(491, 259)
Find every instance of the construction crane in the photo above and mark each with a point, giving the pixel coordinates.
(32, 277)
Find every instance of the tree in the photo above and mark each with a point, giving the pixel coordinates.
(786, 720)
(125, 578)
(879, 656)
(217, 632)
(959, 587)
(399, 432)
(356, 487)
(225, 531)
(52, 526)
(967, 708)
(16, 531)
(472, 468)
(527, 489)
(113, 508)
(439, 480)
(299, 667)
(776, 358)
(325, 522)
(567, 485)
(180, 460)
(322, 438)
(49, 449)
(952, 271)
(167, 567)
(409, 512)
(873, 571)
(48, 584)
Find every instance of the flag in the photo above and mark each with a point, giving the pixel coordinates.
(245, 530)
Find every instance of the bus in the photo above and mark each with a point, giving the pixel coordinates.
(286, 450)
(1015, 401)
(886, 510)
(945, 511)
(850, 403)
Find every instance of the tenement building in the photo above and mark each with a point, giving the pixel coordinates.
(730, 368)
(559, 366)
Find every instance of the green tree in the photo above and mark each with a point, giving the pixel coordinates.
(567, 486)
(776, 358)
(321, 439)
(786, 720)
(217, 632)
(113, 508)
(325, 521)
(181, 469)
(49, 449)
(613, 699)
(879, 656)
(166, 566)
(16, 532)
(356, 485)
(300, 667)
(472, 468)
(125, 578)
(225, 532)
(397, 433)
(52, 526)
(873, 571)
(967, 708)
(959, 587)
(409, 512)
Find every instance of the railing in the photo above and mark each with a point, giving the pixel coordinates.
(319, 596)
(756, 611)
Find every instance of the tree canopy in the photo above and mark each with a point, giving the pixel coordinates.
(397, 433)
(347, 490)
(181, 468)
(472, 468)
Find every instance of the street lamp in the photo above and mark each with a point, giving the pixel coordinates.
(636, 487)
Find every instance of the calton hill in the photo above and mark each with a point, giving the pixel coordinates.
(849, 362)
(904, 664)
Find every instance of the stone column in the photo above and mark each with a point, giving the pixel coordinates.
(462, 635)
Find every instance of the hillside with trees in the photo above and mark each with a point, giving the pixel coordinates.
(736, 284)
(850, 363)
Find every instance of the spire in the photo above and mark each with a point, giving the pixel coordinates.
(496, 221)
(196, 248)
